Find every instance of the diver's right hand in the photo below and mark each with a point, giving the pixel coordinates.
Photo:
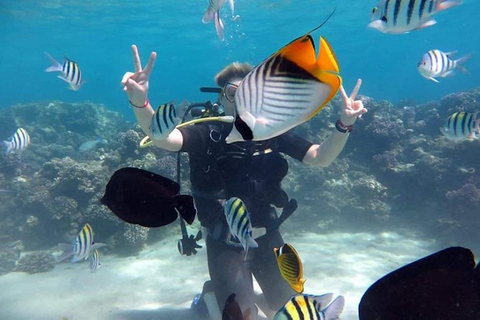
(136, 84)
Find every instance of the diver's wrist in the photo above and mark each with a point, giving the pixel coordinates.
(139, 105)
(341, 127)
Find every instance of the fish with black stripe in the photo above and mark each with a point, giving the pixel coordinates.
(290, 266)
(70, 72)
(163, 121)
(436, 63)
(461, 126)
(285, 90)
(19, 141)
(238, 221)
(82, 247)
(95, 260)
(402, 16)
(213, 13)
(310, 307)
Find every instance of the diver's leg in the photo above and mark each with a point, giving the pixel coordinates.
(230, 273)
(276, 291)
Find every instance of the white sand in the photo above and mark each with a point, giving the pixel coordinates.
(160, 284)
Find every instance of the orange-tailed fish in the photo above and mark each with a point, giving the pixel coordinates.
(285, 90)
(290, 266)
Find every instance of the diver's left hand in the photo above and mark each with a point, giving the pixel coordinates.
(352, 109)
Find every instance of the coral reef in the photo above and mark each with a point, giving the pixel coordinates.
(397, 170)
(36, 262)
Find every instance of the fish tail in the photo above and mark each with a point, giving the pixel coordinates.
(209, 15)
(7, 145)
(56, 66)
(446, 4)
(219, 26)
(460, 61)
(335, 308)
(186, 207)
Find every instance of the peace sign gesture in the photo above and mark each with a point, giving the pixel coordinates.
(136, 84)
(352, 109)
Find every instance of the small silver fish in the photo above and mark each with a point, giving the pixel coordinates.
(213, 13)
(402, 16)
(91, 144)
(95, 260)
(70, 72)
(436, 63)
(19, 141)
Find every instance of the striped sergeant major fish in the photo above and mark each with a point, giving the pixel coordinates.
(285, 90)
(436, 63)
(70, 72)
(238, 221)
(163, 121)
(461, 126)
(310, 307)
(82, 247)
(402, 16)
(17, 142)
(95, 260)
(213, 13)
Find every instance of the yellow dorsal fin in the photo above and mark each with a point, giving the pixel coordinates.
(327, 61)
(300, 51)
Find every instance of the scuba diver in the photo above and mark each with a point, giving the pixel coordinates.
(250, 170)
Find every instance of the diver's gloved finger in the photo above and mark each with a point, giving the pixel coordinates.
(199, 235)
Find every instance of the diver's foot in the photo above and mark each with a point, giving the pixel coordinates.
(199, 308)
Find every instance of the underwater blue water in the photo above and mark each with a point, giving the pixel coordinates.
(98, 35)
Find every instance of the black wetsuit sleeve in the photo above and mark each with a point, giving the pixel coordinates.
(194, 138)
(293, 145)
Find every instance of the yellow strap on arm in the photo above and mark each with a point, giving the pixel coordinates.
(147, 142)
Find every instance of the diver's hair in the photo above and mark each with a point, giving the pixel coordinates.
(234, 70)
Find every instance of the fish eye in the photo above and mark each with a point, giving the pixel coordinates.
(374, 9)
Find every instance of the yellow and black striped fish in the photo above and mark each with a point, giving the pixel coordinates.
(461, 126)
(290, 266)
(310, 307)
(95, 260)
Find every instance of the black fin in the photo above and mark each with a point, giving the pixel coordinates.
(243, 129)
(443, 285)
(186, 207)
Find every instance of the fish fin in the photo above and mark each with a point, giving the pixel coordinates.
(232, 6)
(251, 243)
(451, 53)
(7, 145)
(56, 66)
(459, 62)
(427, 24)
(242, 130)
(433, 79)
(67, 252)
(300, 51)
(449, 73)
(94, 247)
(208, 16)
(298, 287)
(333, 311)
(258, 232)
(323, 300)
(379, 25)
(446, 4)
(186, 207)
(219, 28)
(326, 58)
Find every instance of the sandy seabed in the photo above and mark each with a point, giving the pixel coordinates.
(159, 283)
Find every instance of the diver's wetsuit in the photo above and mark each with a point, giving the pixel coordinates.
(253, 172)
